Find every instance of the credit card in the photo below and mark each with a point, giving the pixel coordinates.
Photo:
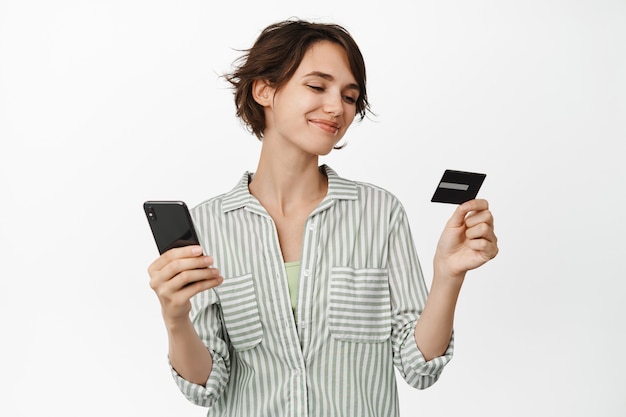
(457, 187)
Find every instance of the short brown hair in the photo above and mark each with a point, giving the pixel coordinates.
(275, 56)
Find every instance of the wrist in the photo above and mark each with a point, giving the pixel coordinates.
(442, 272)
(447, 283)
(177, 324)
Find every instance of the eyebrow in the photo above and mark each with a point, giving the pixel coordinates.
(329, 77)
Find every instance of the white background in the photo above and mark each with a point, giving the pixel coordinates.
(105, 104)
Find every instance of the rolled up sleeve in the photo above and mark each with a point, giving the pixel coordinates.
(415, 369)
(205, 315)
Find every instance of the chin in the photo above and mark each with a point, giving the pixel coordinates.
(328, 148)
(322, 146)
(324, 150)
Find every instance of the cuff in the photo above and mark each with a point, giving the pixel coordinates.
(204, 395)
(416, 370)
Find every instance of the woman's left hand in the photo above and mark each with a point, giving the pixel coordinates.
(468, 240)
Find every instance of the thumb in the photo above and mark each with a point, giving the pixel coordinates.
(458, 217)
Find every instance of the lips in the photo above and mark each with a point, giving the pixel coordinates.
(326, 125)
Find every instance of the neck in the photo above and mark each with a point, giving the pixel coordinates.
(285, 181)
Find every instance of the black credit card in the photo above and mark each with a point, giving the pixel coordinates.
(457, 187)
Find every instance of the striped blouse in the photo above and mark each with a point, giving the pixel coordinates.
(360, 294)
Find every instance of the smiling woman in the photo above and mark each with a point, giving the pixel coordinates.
(322, 94)
(311, 289)
(104, 105)
(277, 54)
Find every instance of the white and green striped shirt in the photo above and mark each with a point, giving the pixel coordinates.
(360, 294)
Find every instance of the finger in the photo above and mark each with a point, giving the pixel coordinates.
(187, 278)
(179, 265)
(486, 248)
(458, 217)
(173, 302)
(482, 238)
(198, 286)
(481, 231)
(477, 204)
(175, 253)
(476, 217)
(193, 275)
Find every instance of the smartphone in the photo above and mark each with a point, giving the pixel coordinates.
(171, 224)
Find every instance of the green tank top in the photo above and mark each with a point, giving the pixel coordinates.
(293, 275)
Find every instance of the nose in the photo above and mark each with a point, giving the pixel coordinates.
(333, 104)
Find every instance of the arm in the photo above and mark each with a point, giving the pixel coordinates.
(467, 242)
(177, 276)
(408, 299)
(188, 355)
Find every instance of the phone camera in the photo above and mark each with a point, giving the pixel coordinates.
(151, 214)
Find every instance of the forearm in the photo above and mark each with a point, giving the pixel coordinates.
(434, 327)
(188, 355)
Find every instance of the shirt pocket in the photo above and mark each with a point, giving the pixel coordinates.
(241, 312)
(359, 305)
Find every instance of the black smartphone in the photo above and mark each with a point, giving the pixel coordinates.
(171, 224)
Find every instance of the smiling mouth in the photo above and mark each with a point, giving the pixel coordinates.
(326, 125)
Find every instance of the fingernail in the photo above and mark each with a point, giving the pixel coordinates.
(196, 250)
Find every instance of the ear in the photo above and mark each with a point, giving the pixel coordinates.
(262, 92)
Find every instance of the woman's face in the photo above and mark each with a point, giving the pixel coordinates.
(314, 109)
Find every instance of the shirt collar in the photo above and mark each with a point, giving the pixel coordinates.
(240, 197)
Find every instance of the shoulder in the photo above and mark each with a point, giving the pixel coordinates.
(360, 190)
(213, 204)
(370, 190)
(372, 201)
(237, 197)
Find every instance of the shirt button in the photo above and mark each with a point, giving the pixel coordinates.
(312, 226)
(306, 272)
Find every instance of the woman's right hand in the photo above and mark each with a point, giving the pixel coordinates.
(178, 275)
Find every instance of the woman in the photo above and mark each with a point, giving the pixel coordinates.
(311, 290)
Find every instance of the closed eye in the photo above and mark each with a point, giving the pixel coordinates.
(319, 89)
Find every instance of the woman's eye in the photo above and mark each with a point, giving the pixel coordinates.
(350, 100)
(316, 88)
